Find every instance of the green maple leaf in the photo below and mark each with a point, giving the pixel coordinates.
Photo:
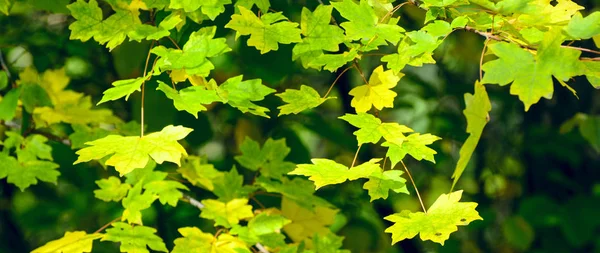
(123, 88)
(332, 62)
(134, 239)
(300, 100)
(83, 133)
(194, 240)
(263, 5)
(265, 32)
(71, 242)
(269, 159)
(26, 170)
(9, 104)
(319, 35)
(168, 191)
(380, 183)
(415, 53)
(371, 129)
(240, 94)
(478, 107)
(415, 145)
(111, 189)
(199, 173)
(226, 214)
(592, 72)
(377, 92)
(135, 202)
(263, 228)
(329, 242)
(191, 99)
(584, 28)
(298, 190)
(230, 185)
(193, 57)
(131, 152)
(156, 32)
(34, 147)
(325, 172)
(438, 223)
(363, 23)
(210, 8)
(531, 76)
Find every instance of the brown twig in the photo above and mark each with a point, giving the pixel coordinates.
(106, 225)
(414, 185)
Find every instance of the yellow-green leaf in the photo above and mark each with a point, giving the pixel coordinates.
(377, 93)
(131, 152)
(325, 172)
(300, 100)
(438, 223)
(71, 242)
(226, 214)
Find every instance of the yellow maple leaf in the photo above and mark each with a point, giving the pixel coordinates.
(376, 93)
(305, 223)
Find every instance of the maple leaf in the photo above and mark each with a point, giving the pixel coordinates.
(438, 223)
(111, 189)
(78, 111)
(531, 76)
(264, 227)
(230, 185)
(5, 6)
(416, 53)
(151, 32)
(305, 223)
(211, 8)
(380, 183)
(300, 100)
(71, 242)
(298, 190)
(226, 214)
(319, 35)
(415, 145)
(376, 93)
(122, 88)
(240, 94)
(134, 239)
(9, 104)
(131, 152)
(332, 62)
(27, 169)
(193, 57)
(478, 107)
(325, 172)
(269, 159)
(592, 72)
(199, 173)
(135, 202)
(363, 23)
(370, 128)
(265, 32)
(584, 28)
(194, 240)
(191, 99)
(168, 191)
(263, 5)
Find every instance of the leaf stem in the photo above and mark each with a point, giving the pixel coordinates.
(174, 43)
(414, 185)
(360, 71)
(355, 156)
(481, 59)
(143, 90)
(107, 224)
(335, 81)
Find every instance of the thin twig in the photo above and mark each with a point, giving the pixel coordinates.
(194, 202)
(481, 59)
(106, 225)
(174, 43)
(360, 71)
(414, 185)
(3, 64)
(335, 81)
(143, 89)
(581, 49)
(355, 156)
(261, 248)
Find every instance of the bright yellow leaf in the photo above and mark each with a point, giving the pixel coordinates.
(376, 93)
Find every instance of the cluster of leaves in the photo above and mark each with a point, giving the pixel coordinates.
(526, 38)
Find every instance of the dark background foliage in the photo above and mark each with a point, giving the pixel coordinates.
(538, 189)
